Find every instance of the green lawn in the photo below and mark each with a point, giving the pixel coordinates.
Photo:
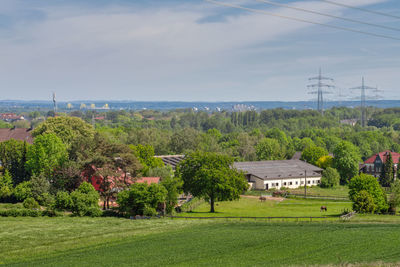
(252, 207)
(69, 241)
(339, 191)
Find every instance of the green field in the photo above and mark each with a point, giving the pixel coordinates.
(68, 241)
(339, 191)
(252, 207)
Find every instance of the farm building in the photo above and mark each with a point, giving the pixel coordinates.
(264, 175)
(374, 164)
(171, 160)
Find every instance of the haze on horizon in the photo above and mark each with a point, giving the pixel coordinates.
(170, 50)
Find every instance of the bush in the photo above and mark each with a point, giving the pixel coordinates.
(63, 201)
(149, 211)
(84, 200)
(23, 191)
(369, 184)
(20, 213)
(31, 203)
(363, 202)
(330, 178)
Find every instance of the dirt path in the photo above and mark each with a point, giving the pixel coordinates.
(268, 198)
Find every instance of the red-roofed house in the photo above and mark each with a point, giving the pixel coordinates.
(374, 164)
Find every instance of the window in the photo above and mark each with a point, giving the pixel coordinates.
(290, 183)
(284, 183)
(277, 184)
(308, 182)
(297, 183)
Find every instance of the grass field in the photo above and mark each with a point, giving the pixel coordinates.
(252, 207)
(119, 242)
(339, 191)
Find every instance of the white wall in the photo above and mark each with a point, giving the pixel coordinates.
(287, 182)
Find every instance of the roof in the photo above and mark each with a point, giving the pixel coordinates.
(297, 155)
(171, 160)
(383, 155)
(278, 169)
(22, 134)
(148, 180)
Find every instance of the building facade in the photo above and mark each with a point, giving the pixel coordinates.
(264, 175)
(374, 164)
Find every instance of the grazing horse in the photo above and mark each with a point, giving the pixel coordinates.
(262, 199)
(323, 208)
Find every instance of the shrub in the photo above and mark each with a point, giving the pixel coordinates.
(370, 184)
(363, 202)
(31, 203)
(20, 213)
(23, 191)
(84, 200)
(63, 201)
(149, 211)
(330, 178)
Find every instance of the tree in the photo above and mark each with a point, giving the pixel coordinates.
(68, 129)
(40, 187)
(345, 160)
(47, 152)
(312, 154)
(394, 199)
(269, 149)
(363, 202)
(370, 185)
(141, 199)
(145, 155)
(209, 175)
(6, 186)
(330, 178)
(324, 162)
(85, 201)
(13, 158)
(387, 175)
(174, 188)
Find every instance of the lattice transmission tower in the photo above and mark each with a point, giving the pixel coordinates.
(363, 88)
(320, 88)
(54, 104)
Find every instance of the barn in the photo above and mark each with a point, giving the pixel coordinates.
(264, 175)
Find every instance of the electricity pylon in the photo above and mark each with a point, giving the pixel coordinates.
(319, 89)
(363, 88)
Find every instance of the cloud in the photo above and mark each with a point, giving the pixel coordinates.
(162, 52)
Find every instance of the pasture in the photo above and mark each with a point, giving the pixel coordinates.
(66, 241)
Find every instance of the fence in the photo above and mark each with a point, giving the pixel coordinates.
(296, 219)
(318, 197)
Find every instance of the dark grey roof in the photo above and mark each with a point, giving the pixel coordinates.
(297, 155)
(278, 169)
(171, 160)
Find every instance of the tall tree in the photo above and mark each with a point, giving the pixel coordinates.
(387, 175)
(269, 149)
(345, 160)
(210, 176)
(312, 154)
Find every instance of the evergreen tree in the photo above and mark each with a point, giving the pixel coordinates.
(387, 175)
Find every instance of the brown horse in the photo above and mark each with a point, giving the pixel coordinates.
(323, 208)
(262, 199)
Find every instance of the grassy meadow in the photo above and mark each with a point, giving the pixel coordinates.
(66, 241)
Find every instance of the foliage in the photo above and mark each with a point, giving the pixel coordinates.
(394, 198)
(269, 149)
(370, 185)
(47, 153)
(387, 175)
(209, 175)
(13, 157)
(173, 185)
(6, 186)
(164, 172)
(40, 187)
(63, 201)
(312, 154)
(145, 155)
(85, 201)
(141, 197)
(324, 162)
(363, 202)
(67, 177)
(31, 203)
(23, 191)
(68, 129)
(346, 160)
(330, 178)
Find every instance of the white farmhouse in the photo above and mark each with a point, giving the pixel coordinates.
(264, 175)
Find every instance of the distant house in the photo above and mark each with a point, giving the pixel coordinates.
(351, 122)
(171, 160)
(374, 164)
(264, 175)
(10, 117)
(22, 134)
(148, 180)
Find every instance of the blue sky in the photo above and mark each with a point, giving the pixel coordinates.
(189, 50)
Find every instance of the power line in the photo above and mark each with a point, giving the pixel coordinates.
(302, 20)
(328, 15)
(361, 9)
(320, 89)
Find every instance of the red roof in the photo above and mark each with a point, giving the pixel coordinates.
(21, 134)
(383, 155)
(148, 180)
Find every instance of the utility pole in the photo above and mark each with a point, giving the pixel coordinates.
(305, 183)
(363, 88)
(54, 104)
(318, 89)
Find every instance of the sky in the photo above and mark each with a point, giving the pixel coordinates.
(191, 50)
